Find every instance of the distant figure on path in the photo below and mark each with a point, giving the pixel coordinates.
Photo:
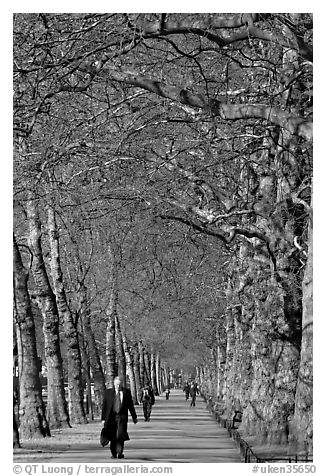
(116, 403)
(186, 389)
(147, 399)
(151, 392)
(167, 393)
(193, 393)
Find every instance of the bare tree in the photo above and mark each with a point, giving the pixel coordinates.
(33, 422)
(57, 411)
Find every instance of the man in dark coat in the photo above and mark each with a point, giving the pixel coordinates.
(147, 398)
(186, 389)
(116, 403)
(193, 391)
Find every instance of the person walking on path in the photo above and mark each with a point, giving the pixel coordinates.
(193, 391)
(147, 399)
(116, 403)
(167, 393)
(186, 390)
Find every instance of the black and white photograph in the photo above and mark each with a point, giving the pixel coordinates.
(162, 240)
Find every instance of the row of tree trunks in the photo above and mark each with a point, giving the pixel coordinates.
(53, 305)
(135, 357)
(267, 321)
(57, 411)
(261, 376)
(142, 367)
(75, 383)
(92, 349)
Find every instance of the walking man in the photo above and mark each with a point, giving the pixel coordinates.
(193, 393)
(186, 389)
(116, 403)
(147, 399)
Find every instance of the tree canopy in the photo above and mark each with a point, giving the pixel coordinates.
(178, 148)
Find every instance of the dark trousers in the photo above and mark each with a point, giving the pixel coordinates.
(193, 400)
(147, 409)
(116, 445)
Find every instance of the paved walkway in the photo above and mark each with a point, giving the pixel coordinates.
(176, 433)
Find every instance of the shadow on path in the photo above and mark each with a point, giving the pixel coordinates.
(175, 433)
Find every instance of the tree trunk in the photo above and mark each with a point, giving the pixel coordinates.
(57, 412)
(274, 360)
(136, 367)
(86, 376)
(158, 374)
(165, 376)
(147, 379)
(111, 359)
(16, 442)
(230, 352)
(94, 358)
(33, 422)
(142, 370)
(301, 429)
(120, 351)
(130, 370)
(221, 361)
(153, 373)
(111, 363)
(75, 384)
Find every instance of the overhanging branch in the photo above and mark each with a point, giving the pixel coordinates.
(295, 124)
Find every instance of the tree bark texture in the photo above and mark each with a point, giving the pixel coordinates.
(57, 412)
(75, 383)
(301, 428)
(32, 416)
(147, 379)
(142, 370)
(111, 358)
(153, 372)
(16, 442)
(136, 367)
(130, 370)
(120, 351)
(94, 358)
(158, 373)
(269, 400)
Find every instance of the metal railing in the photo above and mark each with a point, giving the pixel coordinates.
(245, 450)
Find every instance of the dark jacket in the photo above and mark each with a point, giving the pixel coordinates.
(186, 388)
(194, 390)
(110, 418)
(147, 396)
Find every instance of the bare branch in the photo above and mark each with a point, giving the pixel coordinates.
(296, 125)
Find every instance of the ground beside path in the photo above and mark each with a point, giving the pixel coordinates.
(176, 433)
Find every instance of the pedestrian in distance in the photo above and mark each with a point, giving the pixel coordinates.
(117, 402)
(151, 392)
(193, 392)
(186, 390)
(147, 399)
(167, 393)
